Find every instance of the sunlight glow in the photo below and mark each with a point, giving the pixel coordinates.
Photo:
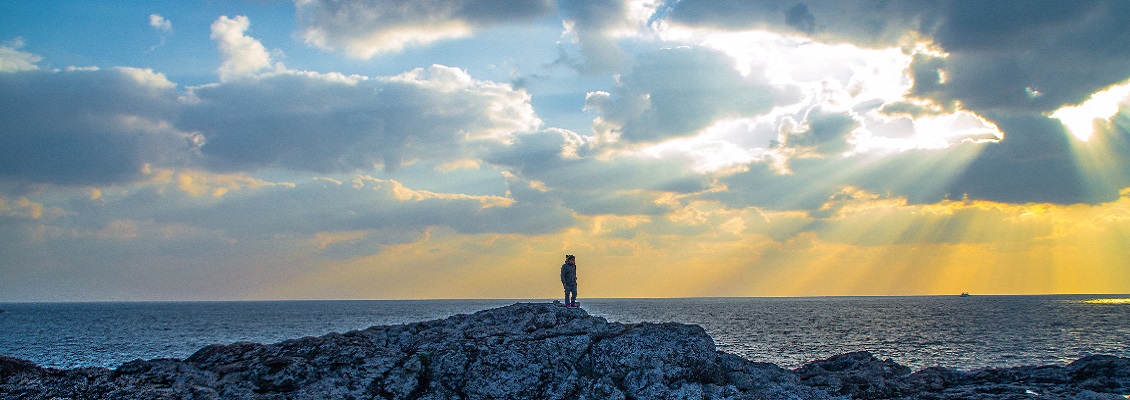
(1119, 301)
(858, 81)
(716, 148)
(1102, 105)
(1097, 155)
(901, 133)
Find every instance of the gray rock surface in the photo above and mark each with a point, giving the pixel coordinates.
(539, 351)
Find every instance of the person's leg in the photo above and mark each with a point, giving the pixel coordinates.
(567, 303)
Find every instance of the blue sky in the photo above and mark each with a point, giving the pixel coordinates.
(455, 149)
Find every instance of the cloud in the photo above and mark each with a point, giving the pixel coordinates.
(335, 123)
(21, 209)
(242, 55)
(365, 28)
(160, 23)
(321, 206)
(163, 27)
(805, 180)
(867, 23)
(240, 209)
(997, 53)
(830, 117)
(997, 69)
(1042, 160)
(1103, 105)
(196, 224)
(87, 126)
(801, 18)
(565, 166)
(14, 60)
(95, 127)
(678, 92)
(1033, 165)
(595, 26)
(1002, 52)
(824, 131)
(1036, 166)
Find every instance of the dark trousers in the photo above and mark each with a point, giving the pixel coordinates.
(570, 290)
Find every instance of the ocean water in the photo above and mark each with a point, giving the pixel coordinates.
(957, 332)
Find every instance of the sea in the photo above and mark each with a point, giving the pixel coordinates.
(965, 333)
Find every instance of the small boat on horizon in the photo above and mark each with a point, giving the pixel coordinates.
(964, 294)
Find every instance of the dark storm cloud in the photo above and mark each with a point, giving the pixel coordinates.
(677, 92)
(318, 123)
(85, 127)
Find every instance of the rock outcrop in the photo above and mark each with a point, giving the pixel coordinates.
(538, 351)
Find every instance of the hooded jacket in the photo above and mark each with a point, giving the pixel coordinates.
(569, 274)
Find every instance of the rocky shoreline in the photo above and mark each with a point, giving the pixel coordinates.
(540, 351)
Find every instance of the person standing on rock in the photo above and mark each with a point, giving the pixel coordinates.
(569, 280)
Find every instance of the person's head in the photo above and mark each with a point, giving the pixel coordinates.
(570, 259)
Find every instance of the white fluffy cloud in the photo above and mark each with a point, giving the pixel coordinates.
(106, 125)
(242, 55)
(160, 23)
(333, 123)
(13, 60)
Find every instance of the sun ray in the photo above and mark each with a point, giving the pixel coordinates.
(1101, 159)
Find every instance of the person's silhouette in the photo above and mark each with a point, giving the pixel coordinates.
(569, 280)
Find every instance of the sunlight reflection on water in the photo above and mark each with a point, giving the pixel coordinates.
(1115, 301)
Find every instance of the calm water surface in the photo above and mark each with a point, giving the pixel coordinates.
(963, 333)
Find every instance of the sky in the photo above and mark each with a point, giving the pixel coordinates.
(394, 149)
